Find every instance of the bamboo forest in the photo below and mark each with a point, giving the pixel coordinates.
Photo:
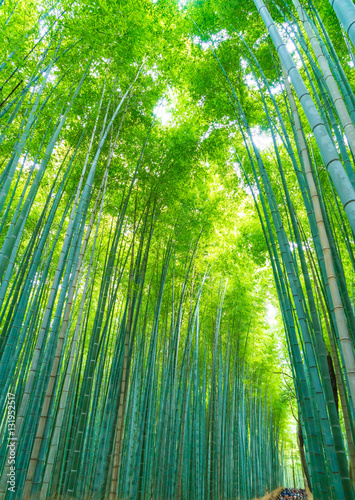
(177, 249)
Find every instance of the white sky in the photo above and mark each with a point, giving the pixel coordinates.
(271, 314)
(163, 112)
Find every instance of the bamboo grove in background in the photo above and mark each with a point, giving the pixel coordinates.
(129, 370)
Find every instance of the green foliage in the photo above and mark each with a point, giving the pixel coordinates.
(156, 206)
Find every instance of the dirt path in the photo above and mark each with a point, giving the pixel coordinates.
(273, 495)
(277, 495)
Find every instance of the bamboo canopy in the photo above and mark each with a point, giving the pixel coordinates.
(177, 220)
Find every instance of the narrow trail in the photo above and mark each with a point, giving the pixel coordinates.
(292, 494)
(282, 493)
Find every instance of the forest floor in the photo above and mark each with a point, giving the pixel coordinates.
(275, 495)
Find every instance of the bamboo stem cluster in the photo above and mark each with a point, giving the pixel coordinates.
(128, 381)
